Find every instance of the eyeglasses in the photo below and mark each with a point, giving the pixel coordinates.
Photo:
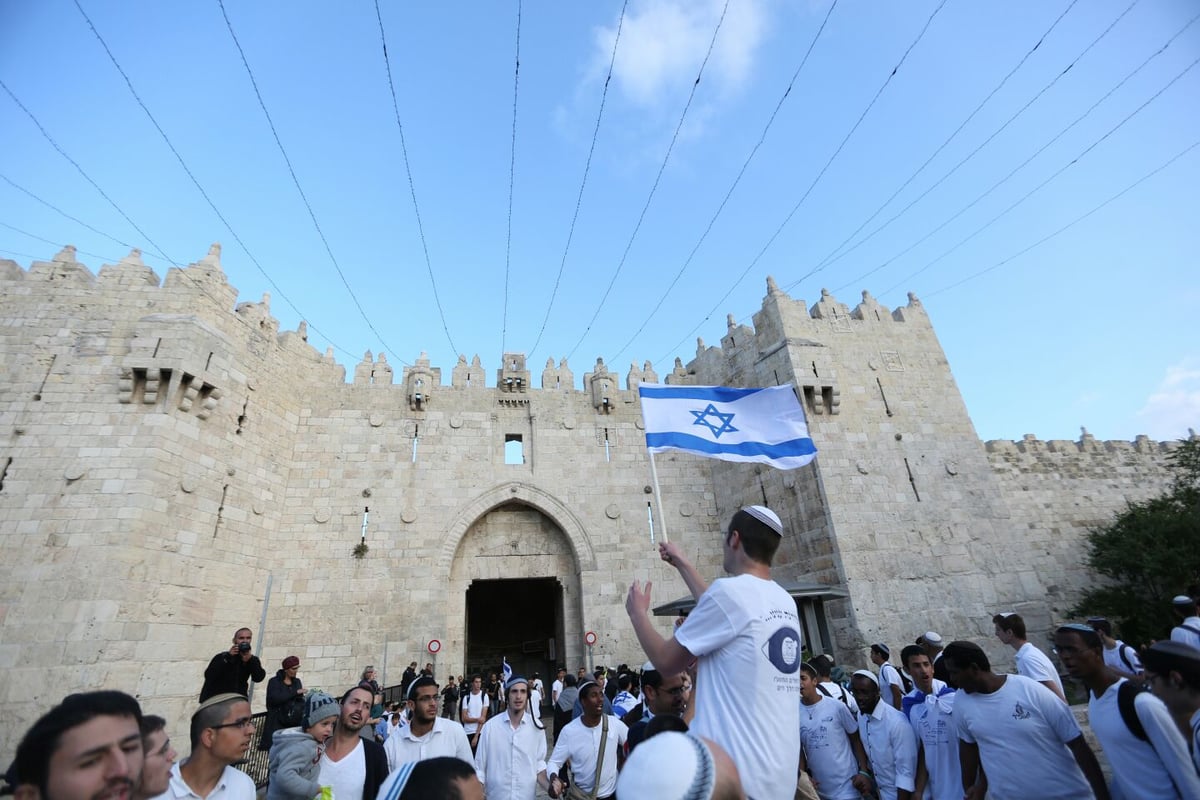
(240, 722)
(678, 691)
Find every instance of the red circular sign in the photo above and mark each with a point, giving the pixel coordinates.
(590, 638)
(434, 646)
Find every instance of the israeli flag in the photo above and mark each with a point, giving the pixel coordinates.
(506, 670)
(761, 425)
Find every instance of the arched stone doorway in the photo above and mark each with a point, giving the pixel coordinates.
(514, 586)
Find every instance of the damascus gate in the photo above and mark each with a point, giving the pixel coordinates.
(173, 467)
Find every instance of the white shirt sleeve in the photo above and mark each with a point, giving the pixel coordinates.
(849, 723)
(708, 628)
(1167, 741)
(1058, 715)
(904, 747)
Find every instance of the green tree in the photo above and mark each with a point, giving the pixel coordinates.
(1149, 553)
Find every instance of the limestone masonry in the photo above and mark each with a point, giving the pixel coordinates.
(172, 469)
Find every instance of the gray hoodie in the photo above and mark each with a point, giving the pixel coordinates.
(295, 766)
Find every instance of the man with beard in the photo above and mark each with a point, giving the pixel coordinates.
(230, 671)
(511, 759)
(930, 709)
(88, 746)
(1151, 763)
(1025, 737)
(593, 746)
(887, 737)
(660, 697)
(427, 734)
(221, 731)
(353, 766)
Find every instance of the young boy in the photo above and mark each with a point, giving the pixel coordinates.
(295, 760)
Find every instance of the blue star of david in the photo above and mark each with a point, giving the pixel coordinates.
(707, 416)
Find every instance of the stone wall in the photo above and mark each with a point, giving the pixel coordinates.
(174, 467)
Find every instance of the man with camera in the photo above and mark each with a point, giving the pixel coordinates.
(232, 670)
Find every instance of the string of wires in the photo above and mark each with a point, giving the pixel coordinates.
(412, 187)
(512, 179)
(969, 155)
(657, 178)
(1070, 224)
(833, 255)
(787, 219)
(187, 170)
(1058, 172)
(300, 189)
(583, 183)
(729, 193)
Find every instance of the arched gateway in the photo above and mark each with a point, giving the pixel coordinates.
(513, 559)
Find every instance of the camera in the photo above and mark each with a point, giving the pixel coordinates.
(243, 647)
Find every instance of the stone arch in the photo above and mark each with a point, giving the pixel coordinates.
(555, 510)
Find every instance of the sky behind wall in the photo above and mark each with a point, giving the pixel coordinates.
(1047, 217)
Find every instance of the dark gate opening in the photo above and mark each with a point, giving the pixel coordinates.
(520, 620)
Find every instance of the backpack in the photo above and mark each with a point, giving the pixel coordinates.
(1127, 694)
(291, 713)
(905, 681)
(821, 688)
(1125, 659)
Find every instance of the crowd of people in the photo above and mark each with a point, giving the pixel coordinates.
(726, 707)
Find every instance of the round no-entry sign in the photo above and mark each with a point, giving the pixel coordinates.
(434, 646)
(589, 638)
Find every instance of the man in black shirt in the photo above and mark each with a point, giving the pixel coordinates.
(230, 672)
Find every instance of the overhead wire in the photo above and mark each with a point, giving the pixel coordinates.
(195, 181)
(833, 254)
(512, 179)
(657, 178)
(300, 189)
(1060, 171)
(729, 193)
(583, 183)
(412, 187)
(60, 245)
(787, 219)
(81, 171)
(969, 155)
(1070, 224)
(76, 220)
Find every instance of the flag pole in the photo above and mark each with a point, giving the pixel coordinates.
(662, 522)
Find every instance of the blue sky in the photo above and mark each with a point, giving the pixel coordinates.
(1094, 326)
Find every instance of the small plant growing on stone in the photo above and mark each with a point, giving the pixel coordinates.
(360, 549)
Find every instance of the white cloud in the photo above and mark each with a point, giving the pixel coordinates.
(1174, 406)
(663, 43)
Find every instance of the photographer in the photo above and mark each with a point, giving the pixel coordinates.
(232, 670)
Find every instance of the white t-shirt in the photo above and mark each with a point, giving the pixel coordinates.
(555, 690)
(581, 744)
(933, 722)
(1034, 664)
(233, 785)
(891, 748)
(535, 701)
(347, 776)
(1117, 656)
(825, 729)
(839, 693)
(473, 705)
(1181, 634)
(1156, 770)
(1022, 730)
(446, 738)
(889, 676)
(746, 634)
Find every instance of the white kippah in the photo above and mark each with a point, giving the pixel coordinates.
(669, 766)
(1182, 600)
(766, 516)
(863, 673)
(932, 638)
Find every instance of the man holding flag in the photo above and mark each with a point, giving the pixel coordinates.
(744, 630)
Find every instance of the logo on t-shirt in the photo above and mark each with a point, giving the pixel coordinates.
(1019, 712)
(783, 650)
